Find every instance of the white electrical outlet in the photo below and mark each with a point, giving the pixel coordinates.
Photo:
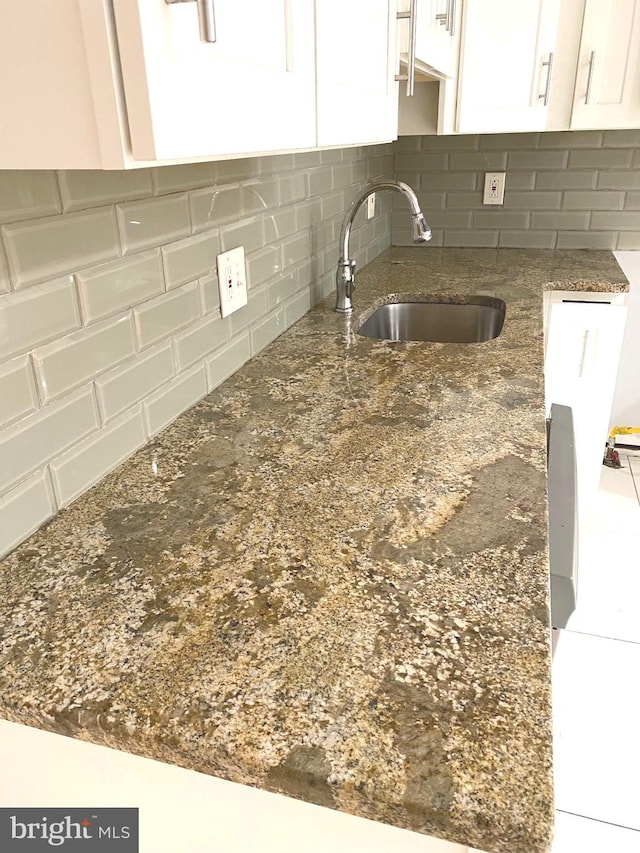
(232, 280)
(494, 187)
(371, 206)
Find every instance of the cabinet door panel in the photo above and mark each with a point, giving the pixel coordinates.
(356, 92)
(607, 92)
(581, 362)
(252, 90)
(502, 71)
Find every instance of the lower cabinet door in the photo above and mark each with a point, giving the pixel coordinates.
(581, 362)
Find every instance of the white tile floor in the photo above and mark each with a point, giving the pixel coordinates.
(596, 680)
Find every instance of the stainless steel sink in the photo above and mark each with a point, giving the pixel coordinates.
(471, 320)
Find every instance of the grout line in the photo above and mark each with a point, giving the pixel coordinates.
(598, 820)
(602, 637)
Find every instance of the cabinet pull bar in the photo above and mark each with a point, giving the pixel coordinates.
(584, 352)
(206, 18)
(592, 59)
(410, 76)
(452, 18)
(545, 94)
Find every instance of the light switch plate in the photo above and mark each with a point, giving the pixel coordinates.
(232, 280)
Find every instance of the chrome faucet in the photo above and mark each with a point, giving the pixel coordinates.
(346, 272)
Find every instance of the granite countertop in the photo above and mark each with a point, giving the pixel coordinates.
(329, 578)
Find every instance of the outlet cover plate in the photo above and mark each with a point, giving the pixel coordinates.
(371, 206)
(494, 187)
(232, 280)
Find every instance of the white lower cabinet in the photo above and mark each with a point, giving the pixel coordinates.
(116, 84)
(582, 349)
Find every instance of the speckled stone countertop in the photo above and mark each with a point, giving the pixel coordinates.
(329, 578)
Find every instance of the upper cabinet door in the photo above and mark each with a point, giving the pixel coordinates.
(506, 65)
(437, 36)
(250, 91)
(357, 95)
(607, 92)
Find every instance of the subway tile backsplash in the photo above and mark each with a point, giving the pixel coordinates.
(568, 190)
(109, 313)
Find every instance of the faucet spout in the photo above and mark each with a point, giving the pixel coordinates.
(346, 272)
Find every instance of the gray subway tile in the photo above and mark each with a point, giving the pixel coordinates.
(277, 164)
(199, 340)
(342, 175)
(227, 360)
(114, 287)
(248, 233)
(561, 221)
(593, 200)
(628, 240)
(571, 139)
(508, 141)
(407, 144)
(586, 240)
(27, 194)
(627, 180)
(37, 316)
(81, 188)
(449, 181)
(191, 258)
(528, 239)
(254, 310)
(628, 138)
(624, 220)
(563, 180)
(321, 181)
(331, 155)
(421, 162)
(144, 224)
(279, 224)
(534, 200)
(293, 187)
(600, 158)
(81, 356)
(480, 161)
(47, 248)
(471, 238)
(18, 394)
(126, 385)
(464, 201)
(209, 293)
(461, 142)
(332, 204)
(296, 307)
(175, 398)
(188, 176)
(537, 160)
(632, 201)
(443, 219)
(24, 509)
(232, 171)
(167, 314)
(520, 180)
(306, 160)
(92, 459)
(5, 286)
(283, 288)
(498, 218)
(265, 263)
(267, 330)
(36, 439)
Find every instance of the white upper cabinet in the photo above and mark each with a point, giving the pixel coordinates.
(249, 90)
(506, 65)
(437, 36)
(607, 86)
(114, 84)
(357, 96)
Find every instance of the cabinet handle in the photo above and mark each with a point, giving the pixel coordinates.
(452, 17)
(592, 59)
(545, 94)
(585, 341)
(206, 18)
(410, 76)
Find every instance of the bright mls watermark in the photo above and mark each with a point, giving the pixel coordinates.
(73, 830)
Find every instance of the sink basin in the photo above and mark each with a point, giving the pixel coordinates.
(472, 320)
